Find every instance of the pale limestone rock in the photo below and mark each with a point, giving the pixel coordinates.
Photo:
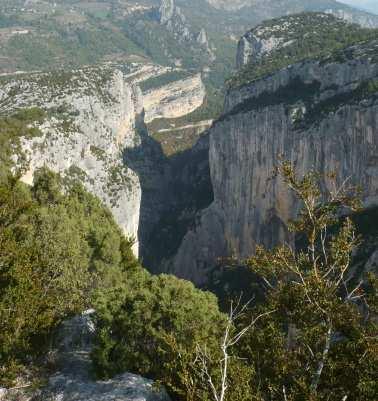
(167, 10)
(100, 124)
(252, 47)
(202, 38)
(362, 18)
(372, 263)
(174, 100)
(126, 387)
(3, 393)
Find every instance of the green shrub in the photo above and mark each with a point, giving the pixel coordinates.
(151, 326)
(56, 248)
(23, 123)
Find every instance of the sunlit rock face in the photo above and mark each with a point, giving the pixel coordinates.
(93, 116)
(174, 100)
(318, 114)
(90, 121)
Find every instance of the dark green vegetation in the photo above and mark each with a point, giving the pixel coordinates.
(152, 327)
(315, 340)
(304, 103)
(309, 36)
(55, 249)
(164, 79)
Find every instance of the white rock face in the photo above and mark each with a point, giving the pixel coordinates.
(166, 10)
(258, 127)
(126, 387)
(174, 100)
(92, 127)
(87, 138)
(3, 393)
(252, 46)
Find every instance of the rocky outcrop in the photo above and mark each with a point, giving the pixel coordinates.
(265, 9)
(73, 380)
(174, 20)
(127, 387)
(166, 11)
(90, 121)
(253, 45)
(174, 100)
(320, 114)
(280, 33)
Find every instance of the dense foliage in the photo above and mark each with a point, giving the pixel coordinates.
(314, 337)
(303, 37)
(55, 249)
(151, 326)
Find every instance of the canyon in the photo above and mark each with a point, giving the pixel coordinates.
(215, 199)
(95, 117)
(114, 127)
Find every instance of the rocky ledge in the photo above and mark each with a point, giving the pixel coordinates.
(73, 379)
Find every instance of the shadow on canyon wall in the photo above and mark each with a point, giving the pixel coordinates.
(174, 189)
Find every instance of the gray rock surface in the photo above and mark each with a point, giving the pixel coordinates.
(127, 387)
(166, 10)
(174, 100)
(90, 122)
(73, 381)
(309, 113)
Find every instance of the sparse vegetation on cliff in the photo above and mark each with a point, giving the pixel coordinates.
(23, 123)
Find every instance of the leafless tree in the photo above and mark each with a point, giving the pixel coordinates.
(230, 338)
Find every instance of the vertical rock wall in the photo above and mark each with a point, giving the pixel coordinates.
(315, 114)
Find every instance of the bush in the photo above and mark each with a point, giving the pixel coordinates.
(55, 249)
(152, 327)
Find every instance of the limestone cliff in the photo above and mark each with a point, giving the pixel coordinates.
(175, 99)
(94, 122)
(174, 20)
(319, 113)
(90, 121)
